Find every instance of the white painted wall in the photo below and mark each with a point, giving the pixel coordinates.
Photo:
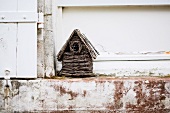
(123, 35)
(68, 3)
(120, 29)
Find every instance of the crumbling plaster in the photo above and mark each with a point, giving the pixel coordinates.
(130, 95)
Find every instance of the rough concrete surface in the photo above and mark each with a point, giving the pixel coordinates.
(91, 95)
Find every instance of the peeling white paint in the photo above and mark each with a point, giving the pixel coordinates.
(84, 94)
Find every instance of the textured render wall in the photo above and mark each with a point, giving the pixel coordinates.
(45, 41)
(40, 44)
(103, 94)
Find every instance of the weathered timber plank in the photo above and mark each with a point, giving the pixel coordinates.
(74, 72)
(83, 52)
(77, 64)
(77, 68)
(77, 75)
(68, 57)
(76, 60)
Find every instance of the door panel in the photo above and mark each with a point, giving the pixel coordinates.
(8, 5)
(8, 34)
(27, 50)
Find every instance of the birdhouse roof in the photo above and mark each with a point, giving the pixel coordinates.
(93, 52)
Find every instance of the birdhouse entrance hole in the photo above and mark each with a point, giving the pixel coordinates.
(75, 46)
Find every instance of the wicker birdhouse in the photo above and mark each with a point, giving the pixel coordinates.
(77, 56)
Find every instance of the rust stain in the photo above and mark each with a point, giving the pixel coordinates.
(119, 87)
(71, 107)
(1, 84)
(167, 52)
(6, 92)
(63, 111)
(151, 101)
(63, 91)
(110, 106)
(101, 83)
(15, 84)
(15, 87)
(84, 93)
(61, 106)
(56, 87)
(118, 95)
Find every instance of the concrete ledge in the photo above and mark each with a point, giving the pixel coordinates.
(99, 94)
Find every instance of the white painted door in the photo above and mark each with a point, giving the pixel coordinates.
(18, 38)
(8, 33)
